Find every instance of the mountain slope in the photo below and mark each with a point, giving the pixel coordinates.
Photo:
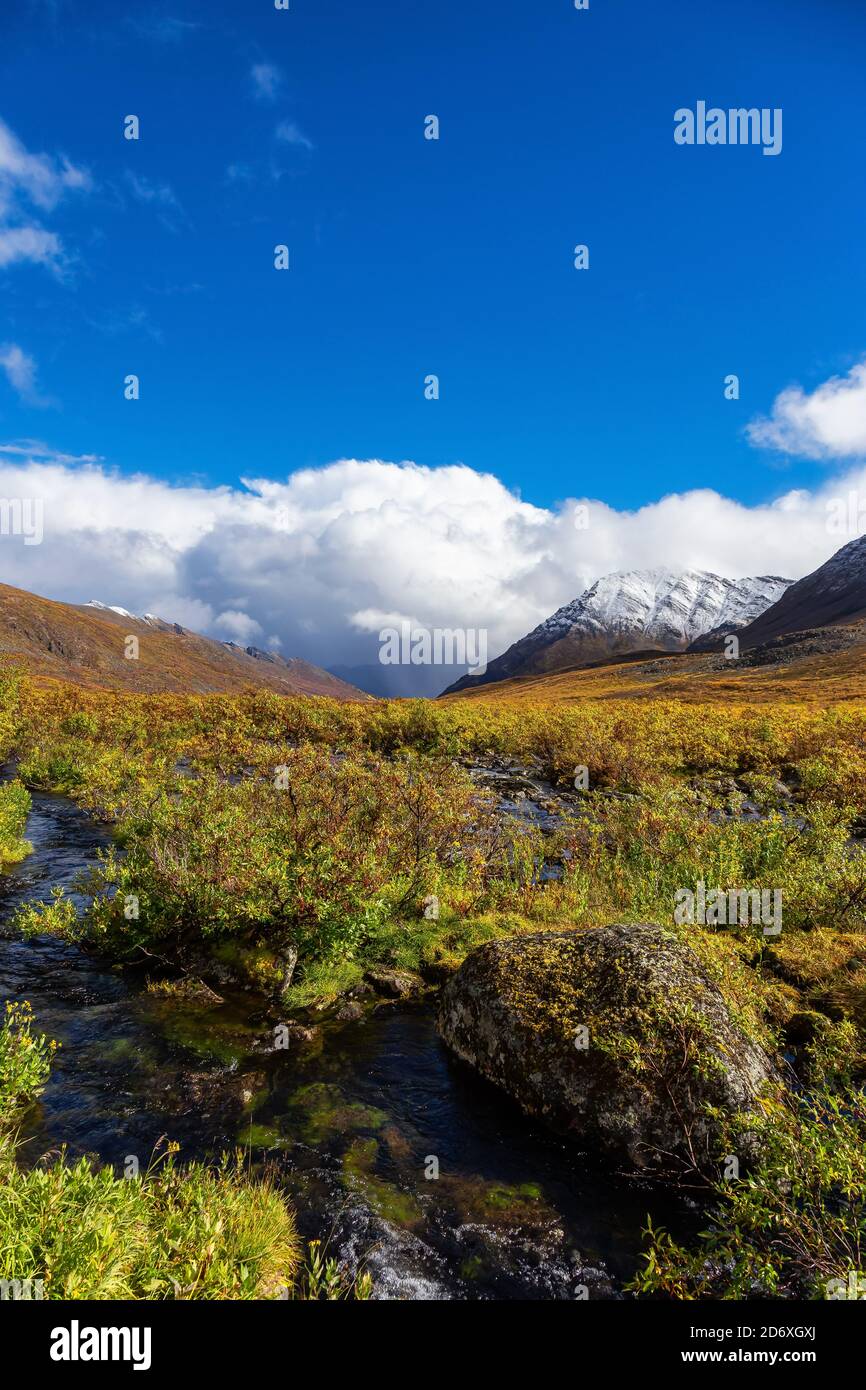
(820, 667)
(85, 643)
(833, 593)
(633, 611)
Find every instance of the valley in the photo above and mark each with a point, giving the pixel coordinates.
(272, 925)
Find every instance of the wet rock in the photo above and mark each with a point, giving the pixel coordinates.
(394, 983)
(619, 1036)
(363, 990)
(349, 1011)
(289, 1033)
(232, 965)
(302, 1034)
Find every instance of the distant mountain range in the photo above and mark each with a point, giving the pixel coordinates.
(85, 643)
(658, 610)
(631, 617)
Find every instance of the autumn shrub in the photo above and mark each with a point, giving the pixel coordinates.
(312, 862)
(14, 809)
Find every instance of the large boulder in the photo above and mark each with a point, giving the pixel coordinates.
(620, 1035)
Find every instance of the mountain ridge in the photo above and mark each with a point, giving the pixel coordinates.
(833, 593)
(85, 643)
(632, 610)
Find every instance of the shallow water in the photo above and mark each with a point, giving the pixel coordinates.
(353, 1122)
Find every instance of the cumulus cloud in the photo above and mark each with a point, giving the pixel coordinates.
(31, 185)
(829, 422)
(325, 558)
(237, 626)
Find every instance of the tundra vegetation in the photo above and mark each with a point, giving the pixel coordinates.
(293, 845)
(73, 1229)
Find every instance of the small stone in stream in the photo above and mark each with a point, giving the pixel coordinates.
(296, 1034)
(299, 1032)
(394, 983)
(349, 1012)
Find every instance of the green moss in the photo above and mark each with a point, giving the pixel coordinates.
(393, 1203)
(203, 1029)
(261, 1137)
(320, 1111)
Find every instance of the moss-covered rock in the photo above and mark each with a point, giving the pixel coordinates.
(394, 983)
(620, 1035)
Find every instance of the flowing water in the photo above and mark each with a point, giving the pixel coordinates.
(357, 1121)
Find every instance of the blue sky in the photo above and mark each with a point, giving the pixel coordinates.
(412, 256)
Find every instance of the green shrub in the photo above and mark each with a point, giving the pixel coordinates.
(14, 809)
(175, 1232)
(794, 1222)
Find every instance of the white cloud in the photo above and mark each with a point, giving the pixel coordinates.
(267, 81)
(36, 449)
(237, 626)
(288, 133)
(20, 369)
(321, 559)
(828, 423)
(27, 182)
(39, 178)
(30, 244)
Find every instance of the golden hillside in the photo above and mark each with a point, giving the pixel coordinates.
(70, 642)
(822, 666)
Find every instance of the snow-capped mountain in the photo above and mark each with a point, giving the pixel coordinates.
(635, 611)
(108, 608)
(121, 612)
(833, 593)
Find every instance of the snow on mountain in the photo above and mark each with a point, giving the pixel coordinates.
(635, 610)
(150, 618)
(668, 608)
(109, 608)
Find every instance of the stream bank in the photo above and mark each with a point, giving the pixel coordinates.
(357, 1120)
